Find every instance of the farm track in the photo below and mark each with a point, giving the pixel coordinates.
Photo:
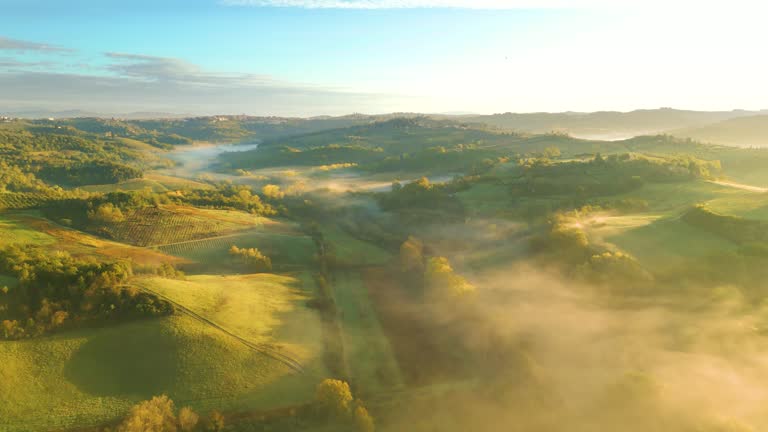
(260, 348)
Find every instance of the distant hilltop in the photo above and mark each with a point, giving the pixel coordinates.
(737, 127)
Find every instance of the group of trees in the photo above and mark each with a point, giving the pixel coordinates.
(563, 240)
(468, 158)
(82, 173)
(65, 156)
(14, 179)
(252, 258)
(614, 174)
(432, 201)
(226, 195)
(55, 289)
(96, 210)
(438, 279)
(159, 415)
(106, 213)
(335, 404)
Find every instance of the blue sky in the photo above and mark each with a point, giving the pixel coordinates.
(308, 57)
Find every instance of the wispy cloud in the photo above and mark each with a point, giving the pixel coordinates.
(151, 67)
(169, 69)
(134, 82)
(415, 4)
(23, 46)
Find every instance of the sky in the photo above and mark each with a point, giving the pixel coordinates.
(318, 57)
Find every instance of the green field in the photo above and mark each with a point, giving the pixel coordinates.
(212, 255)
(352, 251)
(257, 307)
(668, 243)
(745, 204)
(674, 198)
(13, 230)
(89, 376)
(372, 362)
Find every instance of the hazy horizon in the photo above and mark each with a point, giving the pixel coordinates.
(42, 113)
(313, 57)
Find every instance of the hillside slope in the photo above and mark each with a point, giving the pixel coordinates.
(749, 131)
(607, 124)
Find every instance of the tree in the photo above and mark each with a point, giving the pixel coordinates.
(12, 329)
(335, 403)
(273, 192)
(412, 254)
(215, 422)
(155, 415)
(333, 398)
(252, 257)
(363, 420)
(442, 283)
(552, 152)
(188, 419)
(106, 213)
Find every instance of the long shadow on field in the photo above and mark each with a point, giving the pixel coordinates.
(139, 361)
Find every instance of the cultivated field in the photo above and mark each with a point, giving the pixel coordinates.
(152, 181)
(29, 227)
(153, 226)
(14, 200)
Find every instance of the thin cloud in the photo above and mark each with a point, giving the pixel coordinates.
(169, 69)
(152, 68)
(167, 91)
(20, 45)
(10, 63)
(137, 82)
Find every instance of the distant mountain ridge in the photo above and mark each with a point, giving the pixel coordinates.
(735, 128)
(75, 113)
(749, 131)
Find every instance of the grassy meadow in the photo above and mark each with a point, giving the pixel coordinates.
(94, 375)
(372, 363)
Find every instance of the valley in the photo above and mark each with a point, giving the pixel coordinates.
(421, 261)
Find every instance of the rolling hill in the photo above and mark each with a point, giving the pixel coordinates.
(607, 124)
(749, 131)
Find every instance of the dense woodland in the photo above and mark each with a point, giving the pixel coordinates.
(55, 290)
